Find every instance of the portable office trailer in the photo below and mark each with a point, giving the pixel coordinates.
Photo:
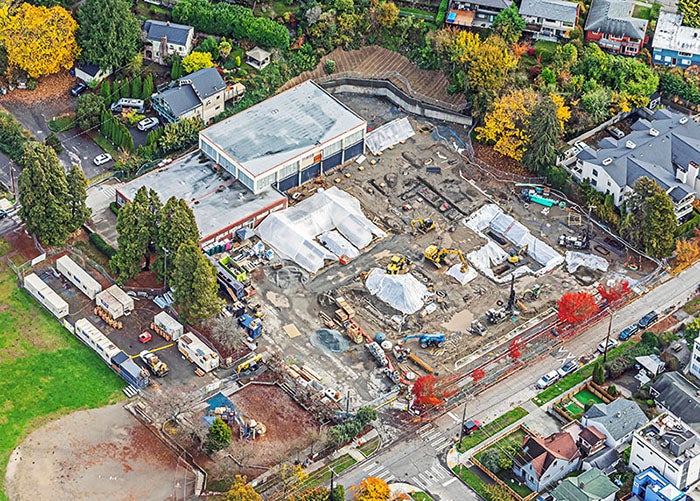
(125, 299)
(78, 276)
(197, 352)
(46, 296)
(95, 339)
(168, 324)
(111, 305)
(130, 371)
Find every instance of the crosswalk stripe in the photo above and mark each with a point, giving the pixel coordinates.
(439, 474)
(455, 418)
(445, 484)
(426, 480)
(424, 427)
(371, 468)
(432, 436)
(417, 482)
(389, 478)
(438, 438)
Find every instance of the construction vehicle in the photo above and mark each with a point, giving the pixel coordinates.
(400, 353)
(437, 256)
(249, 364)
(154, 364)
(428, 340)
(532, 293)
(477, 328)
(398, 265)
(516, 255)
(496, 315)
(422, 225)
(575, 242)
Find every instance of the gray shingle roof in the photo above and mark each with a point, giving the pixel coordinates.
(620, 417)
(175, 33)
(679, 396)
(206, 82)
(558, 10)
(180, 100)
(605, 460)
(191, 90)
(614, 17)
(494, 4)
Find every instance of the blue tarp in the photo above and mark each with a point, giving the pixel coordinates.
(451, 17)
(219, 400)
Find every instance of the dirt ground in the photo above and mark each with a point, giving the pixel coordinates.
(94, 455)
(23, 244)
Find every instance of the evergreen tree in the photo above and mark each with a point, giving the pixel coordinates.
(176, 70)
(106, 92)
(598, 373)
(147, 90)
(43, 194)
(194, 283)
(89, 111)
(132, 240)
(109, 33)
(77, 194)
(509, 24)
(128, 144)
(177, 227)
(545, 132)
(649, 218)
(137, 87)
(219, 436)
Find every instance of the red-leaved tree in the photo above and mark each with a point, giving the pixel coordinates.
(478, 374)
(430, 391)
(575, 307)
(614, 291)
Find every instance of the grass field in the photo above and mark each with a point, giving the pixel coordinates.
(420, 496)
(62, 123)
(44, 371)
(489, 429)
(472, 480)
(420, 14)
(509, 444)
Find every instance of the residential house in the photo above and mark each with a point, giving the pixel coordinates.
(257, 58)
(675, 44)
(648, 485)
(665, 147)
(474, 13)
(549, 19)
(611, 25)
(591, 440)
(616, 420)
(695, 359)
(165, 39)
(605, 460)
(91, 73)
(543, 461)
(591, 485)
(200, 94)
(669, 446)
(672, 392)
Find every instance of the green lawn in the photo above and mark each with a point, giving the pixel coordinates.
(472, 480)
(642, 12)
(421, 496)
(44, 371)
(692, 306)
(510, 444)
(62, 123)
(368, 448)
(491, 428)
(324, 474)
(104, 143)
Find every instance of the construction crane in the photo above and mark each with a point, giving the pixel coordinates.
(250, 363)
(428, 340)
(398, 265)
(422, 225)
(516, 256)
(437, 256)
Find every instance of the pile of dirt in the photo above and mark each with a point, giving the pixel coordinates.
(500, 162)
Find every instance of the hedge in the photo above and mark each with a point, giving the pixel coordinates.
(102, 246)
(441, 13)
(114, 208)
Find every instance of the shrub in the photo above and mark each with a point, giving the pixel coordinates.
(329, 66)
(650, 402)
(31, 84)
(114, 208)
(588, 405)
(598, 373)
(54, 143)
(219, 436)
(441, 13)
(102, 246)
(650, 339)
(613, 391)
(491, 459)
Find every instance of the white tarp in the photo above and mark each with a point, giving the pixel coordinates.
(292, 232)
(574, 260)
(389, 134)
(463, 278)
(338, 244)
(402, 292)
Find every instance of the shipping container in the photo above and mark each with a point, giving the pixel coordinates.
(130, 371)
(78, 276)
(125, 299)
(95, 339)
(197, 352)
(168, 324)
(110, 304)
(46, 296)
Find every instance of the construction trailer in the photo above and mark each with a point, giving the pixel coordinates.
(252, 326)
(110, 304)
(78, 276)
(95, 339)
(130, 371)
(197, 352)
(46, 296)
(167, 327)
(125, 299)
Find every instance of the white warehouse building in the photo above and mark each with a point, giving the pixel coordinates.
(286, 140)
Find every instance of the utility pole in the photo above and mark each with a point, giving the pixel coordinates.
(588, 228)
(607, 339)
(461, 426)
(330, 493)
(12, 179)
(165, 269)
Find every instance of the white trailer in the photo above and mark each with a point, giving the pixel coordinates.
(46, 296)
(197, 352)
(110, 304)
(78, 276)
(125, 299)
(95, 339)
(169, 325)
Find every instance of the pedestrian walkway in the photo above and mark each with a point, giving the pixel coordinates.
(434, 437)
(378, 470)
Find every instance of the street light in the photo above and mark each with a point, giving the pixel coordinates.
(165, 269)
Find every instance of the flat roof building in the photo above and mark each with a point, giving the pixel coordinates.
(286, 140)
(675, 44)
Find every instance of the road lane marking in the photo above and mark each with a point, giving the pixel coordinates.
(445, 484)
(453, 416)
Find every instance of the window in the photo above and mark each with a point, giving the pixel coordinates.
(353, 138)
(288, 170)
(332, 149)
(685, 54)
(609, 183)
(667, 59)
(595, 173)
(657, 57)
(685, 62)
(594, 182)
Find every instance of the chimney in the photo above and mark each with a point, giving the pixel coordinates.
(619, 414)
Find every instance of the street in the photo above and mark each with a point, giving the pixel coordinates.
(417, 459)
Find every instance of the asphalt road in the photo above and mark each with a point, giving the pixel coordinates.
(416, 460)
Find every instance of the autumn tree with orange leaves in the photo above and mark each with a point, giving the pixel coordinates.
(687, 251)
(575, 307)
(615, 291)
(375, 489)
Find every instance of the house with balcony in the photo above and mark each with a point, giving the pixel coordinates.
(544, 461)
(611, 25)
(664, 147)
(163, 39)
(675, 44)
(695, 361)
(669, 446)
(474, 13)
(549, 19)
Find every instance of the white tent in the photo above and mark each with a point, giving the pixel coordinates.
(402, 292)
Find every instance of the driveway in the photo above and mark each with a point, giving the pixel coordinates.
(104, 220)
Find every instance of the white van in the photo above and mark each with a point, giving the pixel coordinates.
(125, 102)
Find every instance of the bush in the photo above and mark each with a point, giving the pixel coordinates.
(598, 373)
(219, 436)
(613, 391)
(650, 339)
(588, 405)
(491, 459)
(31, 84)
(102, 246)
(618, 366)
(329, 66)
(441, 13)
(114, 208)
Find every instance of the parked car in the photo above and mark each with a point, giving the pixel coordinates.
(471, 426)
(611, 344)
(648, 319)
(148, 123)
(547, 380)
(102, 159)
(79, 88)
(568, 368)
(3, 213)
(628, 332)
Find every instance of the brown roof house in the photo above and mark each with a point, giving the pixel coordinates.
(591, 440)
(544, 461)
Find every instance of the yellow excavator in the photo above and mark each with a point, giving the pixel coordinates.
(398, 265)
(422, 225)
(516, 256)
(437, 256)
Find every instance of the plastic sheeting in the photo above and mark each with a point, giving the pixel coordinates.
(574, 260)
(402, 292)
(338, 244)
(491, 254)
(292, 232)
(463, 278)
(389, 134)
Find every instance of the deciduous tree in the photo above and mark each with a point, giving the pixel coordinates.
(219, 436)
(575, 307)
(691, 11)
(38, 40)
(371, 489)
(614, 291)
(194, 283)
(509, 24)
(496, 492)
(387, 14)
(687, 252)
(196, 61)
(77, 194)
(89, 111)
(241, 490)
(506, 125)
(649, 220)
(109, 34)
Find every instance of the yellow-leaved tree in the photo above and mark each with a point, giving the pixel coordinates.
(39, 40)
(196, 61)
(506, 125)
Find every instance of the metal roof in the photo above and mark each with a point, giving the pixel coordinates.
(557, 10)
(672, 35)
(614, 17)
(282, 127)
(175, 33)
